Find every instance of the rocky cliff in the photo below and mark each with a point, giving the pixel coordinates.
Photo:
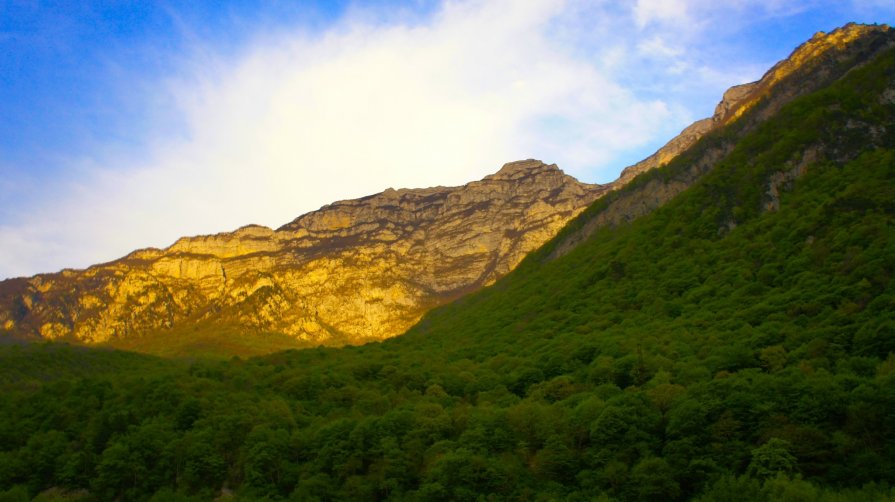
(353, 271)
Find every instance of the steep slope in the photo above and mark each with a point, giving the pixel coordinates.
(736, 343)
(353, 271)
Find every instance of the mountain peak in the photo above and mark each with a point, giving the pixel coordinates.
(823, 49)
(845, 34)
(522, 168)
(354, 270)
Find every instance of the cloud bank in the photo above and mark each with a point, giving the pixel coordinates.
(296, 119)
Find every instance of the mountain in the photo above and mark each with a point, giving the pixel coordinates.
(722, 327)
(368, 269)
(353, 271)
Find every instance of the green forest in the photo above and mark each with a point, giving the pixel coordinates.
(714, 350)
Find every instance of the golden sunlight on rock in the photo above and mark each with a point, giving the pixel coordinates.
(353, 271)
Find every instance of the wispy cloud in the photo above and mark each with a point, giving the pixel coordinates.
(692, 16)
(647, 12)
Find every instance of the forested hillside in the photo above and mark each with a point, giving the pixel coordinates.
(737, 343)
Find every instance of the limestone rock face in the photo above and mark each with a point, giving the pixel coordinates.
(353, 271)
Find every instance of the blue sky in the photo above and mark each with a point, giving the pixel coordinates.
(127, 124)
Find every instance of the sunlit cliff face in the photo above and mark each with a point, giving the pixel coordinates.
(355, 270)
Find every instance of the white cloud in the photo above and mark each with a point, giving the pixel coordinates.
(659, 48)
(661, 11)
(299, 120)
(688, 18)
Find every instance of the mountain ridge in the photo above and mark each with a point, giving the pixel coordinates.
(368, 268)
(354, 270)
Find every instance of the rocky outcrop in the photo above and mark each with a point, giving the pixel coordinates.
(353, 271)
(812, 66)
